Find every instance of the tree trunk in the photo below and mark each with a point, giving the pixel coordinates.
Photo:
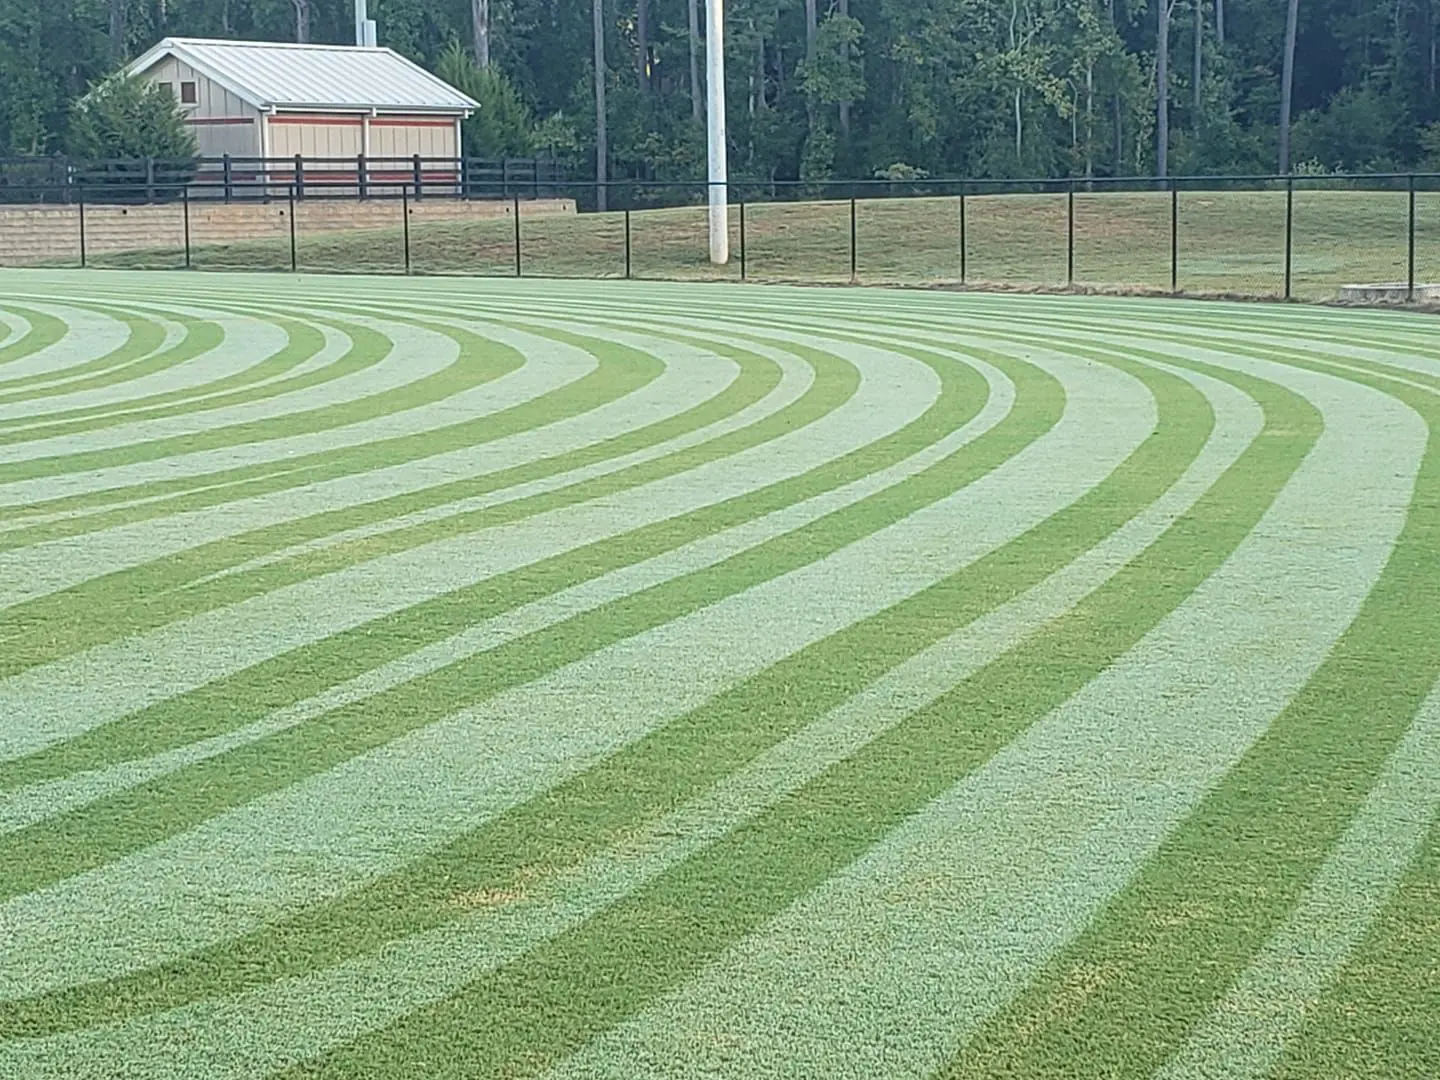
(845, 105)
(302, 20)
(642, 43)
(812, 27)
(1220, 21)
(1199, 63)
(480, 28)
(1287, 82)
(1089, 119)
(117, 31)
(480, 24)
(602, 133)
(1117, 109)
(1162, 88)
(697, 112)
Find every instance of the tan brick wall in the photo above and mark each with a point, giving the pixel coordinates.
(40, 234)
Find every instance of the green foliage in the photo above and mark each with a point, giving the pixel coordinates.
(956, 87)
(124, 118)
(502, 126)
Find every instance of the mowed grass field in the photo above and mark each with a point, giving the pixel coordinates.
(440, 678)
(1228, 243)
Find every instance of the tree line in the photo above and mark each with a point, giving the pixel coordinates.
(822, 89)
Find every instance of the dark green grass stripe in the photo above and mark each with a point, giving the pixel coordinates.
(480, 361)
(201, 336)
(309, 939)
(183, 585)
(293, 677)
(45, 330)
(534, 1011)
(86, 837)
(1161, 954)
(143, 338)
(303, 341)
(1381, 1018)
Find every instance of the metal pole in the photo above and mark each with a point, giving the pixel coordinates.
(1174, 238)
(185, 207)
(964, 247)
(1289, 230)
(719, 196)
(515, 208)
(854, 246)
(743, 267)
(1410, 261)
(81, 199)
(1070, 233)
(294, 262)
(627, 243)
(405, 222)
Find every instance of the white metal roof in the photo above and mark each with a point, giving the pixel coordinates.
(278, 75)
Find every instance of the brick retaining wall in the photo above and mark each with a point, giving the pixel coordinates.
(50, 234)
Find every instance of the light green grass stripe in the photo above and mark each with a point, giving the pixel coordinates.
(299, 1018)
(1144, 974)
(689, 913)
(1259, 1016)
(437, 618)
(1377, 1021)
(368, 368)
(201, 337)
(588, 633)
(28, 805)
(263, 377)
(675, 386)
(461, 788)
(44, 331)
(56, 363)
(968, 897)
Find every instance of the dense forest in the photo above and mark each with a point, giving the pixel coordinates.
(842, 88)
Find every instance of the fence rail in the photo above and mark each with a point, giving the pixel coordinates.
(1283, 236)
(233, 179)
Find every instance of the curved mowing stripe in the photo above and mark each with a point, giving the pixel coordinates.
(366, 724)
(968, 897)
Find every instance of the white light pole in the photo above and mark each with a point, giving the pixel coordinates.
(715, 130)
(364, 25)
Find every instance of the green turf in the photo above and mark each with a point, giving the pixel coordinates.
(430, 703)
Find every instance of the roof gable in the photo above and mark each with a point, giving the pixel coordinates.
(275, 75)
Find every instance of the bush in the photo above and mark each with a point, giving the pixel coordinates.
(127, 119)
(501, 126)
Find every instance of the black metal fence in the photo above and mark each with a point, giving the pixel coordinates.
(1282, 236)
(237, 179)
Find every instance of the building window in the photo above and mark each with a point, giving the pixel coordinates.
(188, 94)
(169, 88)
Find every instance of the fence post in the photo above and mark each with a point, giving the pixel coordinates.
(1070, 233)
(419, 178)
(229, 179)
(1174, 237)
(149, 179)
(362, 176)
(854, 254)
(743, 268)
(964, 246)
(185, 210)
(515, 206)
(505, 177)
(627, 243)
(297, 189)
(80, 199)
(405, 223)
(294, 263)
(1410, 255)
(1289, 227)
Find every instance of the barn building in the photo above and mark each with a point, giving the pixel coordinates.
(330, 104)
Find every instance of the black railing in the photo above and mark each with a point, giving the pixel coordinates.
(1301, 236)
(237, 179)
